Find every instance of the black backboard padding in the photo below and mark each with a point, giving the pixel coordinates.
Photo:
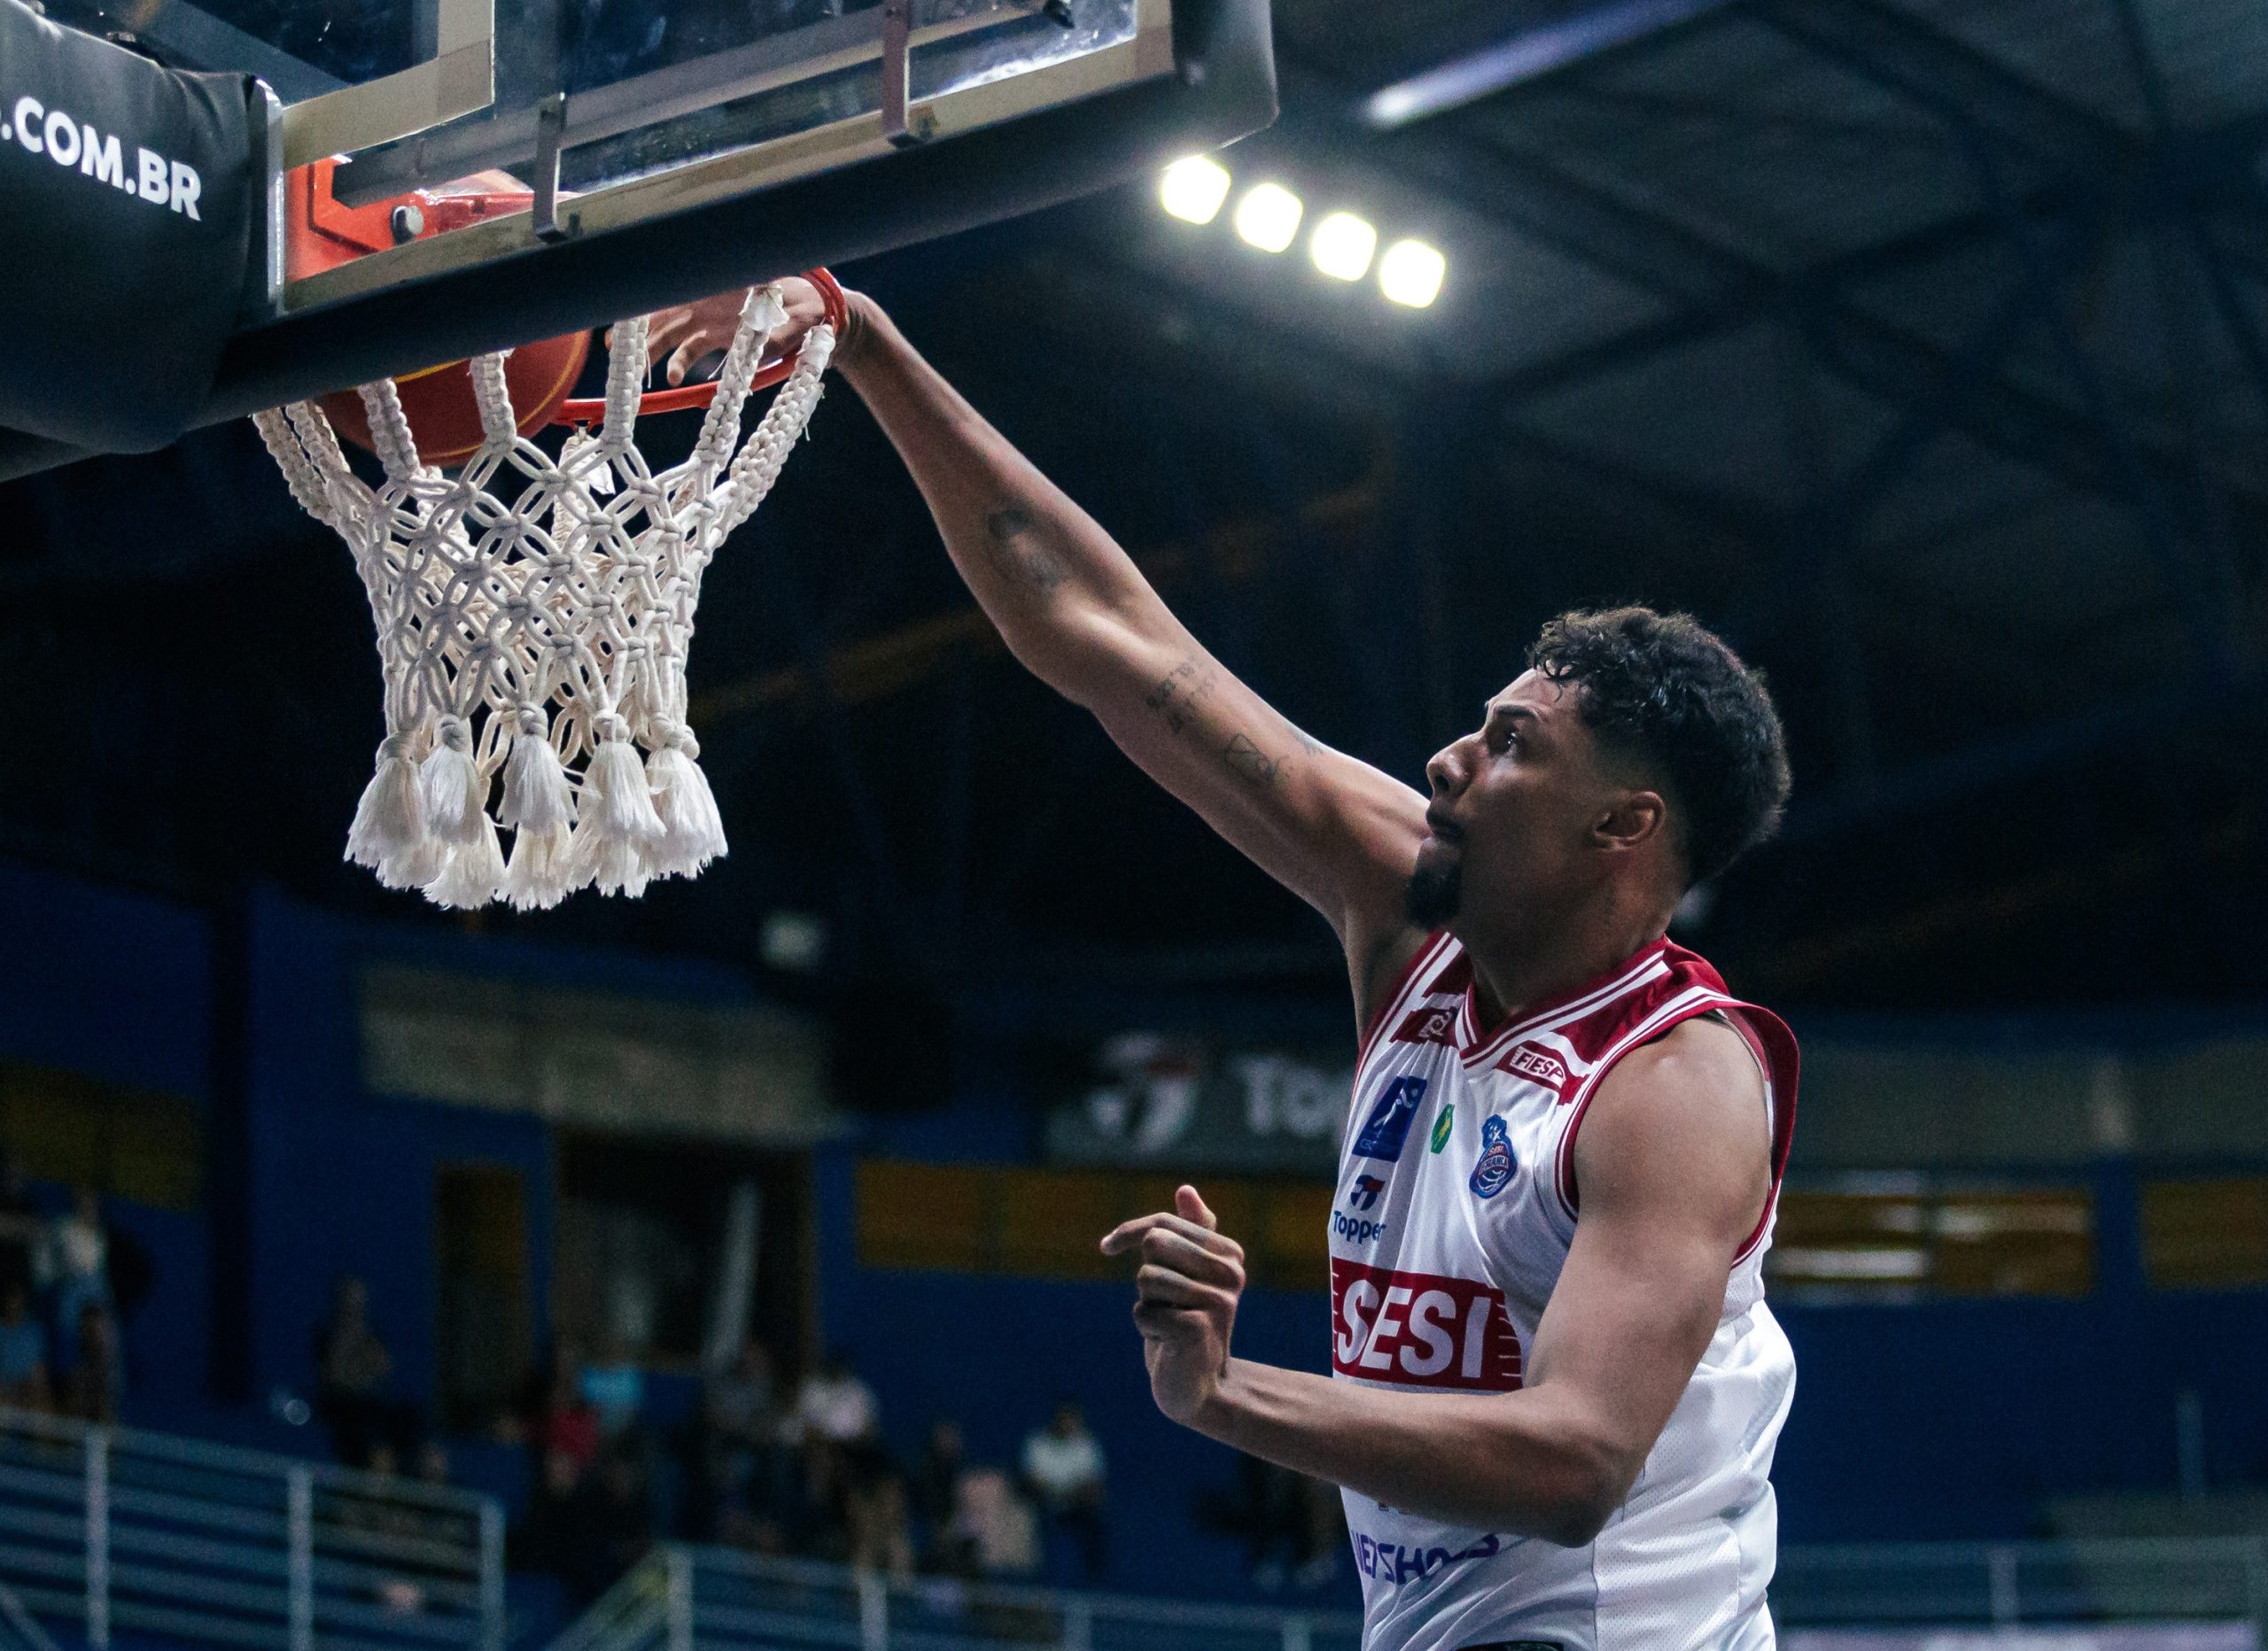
(118, 304)
(22, 454)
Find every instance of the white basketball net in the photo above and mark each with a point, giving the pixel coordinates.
(546, 638)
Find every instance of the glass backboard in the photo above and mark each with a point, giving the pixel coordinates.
(645, 104)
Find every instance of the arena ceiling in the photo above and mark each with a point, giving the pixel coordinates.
(1919, 345)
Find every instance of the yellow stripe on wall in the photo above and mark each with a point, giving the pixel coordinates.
(1022, 1222)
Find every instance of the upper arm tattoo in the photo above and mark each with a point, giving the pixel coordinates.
(1179, 698)
(1020, 550)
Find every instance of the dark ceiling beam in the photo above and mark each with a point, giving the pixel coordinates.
(1694, 268)
(1525, 55)
(1918, 62)
(1989, 113)
(2197, 711)
(2198, 174)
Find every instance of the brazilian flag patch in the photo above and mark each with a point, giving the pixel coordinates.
(1441, 1125)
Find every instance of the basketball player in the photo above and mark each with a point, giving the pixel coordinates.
(1555, 1386)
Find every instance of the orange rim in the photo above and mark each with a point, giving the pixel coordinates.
(592, 411)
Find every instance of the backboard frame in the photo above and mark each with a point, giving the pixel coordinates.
(749, 215)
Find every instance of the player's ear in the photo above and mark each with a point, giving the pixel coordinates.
(1633, 819)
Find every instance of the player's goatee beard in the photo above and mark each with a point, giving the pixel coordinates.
(1431, 899)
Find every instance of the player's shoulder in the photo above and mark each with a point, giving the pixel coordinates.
(1701, 1066)
(1684, 1110)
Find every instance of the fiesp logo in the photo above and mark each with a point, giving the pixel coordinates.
(1531, 1061)
(1421, 1330)
(71, 143)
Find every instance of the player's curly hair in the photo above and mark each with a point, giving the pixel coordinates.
(1667, 691)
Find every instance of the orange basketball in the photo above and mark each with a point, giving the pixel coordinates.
(442, 413)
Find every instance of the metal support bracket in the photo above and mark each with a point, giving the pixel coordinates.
(550, 137)
(900, 126)
(263, 297)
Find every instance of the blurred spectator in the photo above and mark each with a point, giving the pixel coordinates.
(742, 1466)
(547, 1539)
(615, 1388)
(1063, 1470)
(74, 1268)
(1293, 1528)
(882, 1536)
(351, 1370)
(587, 1529)
(996, 1523)
(562, 1422)
(613, 1522)
(737, 1401)
(21, 1227)
(815, 1505)
(91, 1384)
(834, 1404)
(936, 1493)
(380, 1513)
(23, 1350)
(433, 1465)
(437, 1522)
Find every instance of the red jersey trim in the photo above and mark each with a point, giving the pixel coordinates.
(1765, 1032)
(1420, 962)
(1577, 1003)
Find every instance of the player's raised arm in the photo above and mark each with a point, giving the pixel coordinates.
(1071, 605)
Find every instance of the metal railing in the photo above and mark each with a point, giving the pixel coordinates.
(2016, 1583)
(199, 1542)
(679, 1597)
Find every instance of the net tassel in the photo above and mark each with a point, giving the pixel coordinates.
(692, 831)
(390, 820)
(456, 796)
(472, 872)
(614, 821)
(539, 874)
(540, 808)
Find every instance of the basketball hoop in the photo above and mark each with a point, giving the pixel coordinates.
(545, 639)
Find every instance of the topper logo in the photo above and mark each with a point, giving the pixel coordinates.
(1530, 1061)
(1365, 1196)
(1421, 1330)
(1427, 1026)
(71, 143)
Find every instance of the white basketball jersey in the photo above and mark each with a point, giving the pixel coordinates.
(1456, 1205)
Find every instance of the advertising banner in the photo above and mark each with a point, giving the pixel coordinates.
(1197, 1103)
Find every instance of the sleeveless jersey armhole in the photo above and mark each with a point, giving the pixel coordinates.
(1429, 951)
(1730, 1016)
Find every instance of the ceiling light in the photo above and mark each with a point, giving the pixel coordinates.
(1194, 187)
(1341, 246)
(1268, 217)
(1410, 273)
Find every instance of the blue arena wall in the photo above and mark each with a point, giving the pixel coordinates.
(1935, 1419)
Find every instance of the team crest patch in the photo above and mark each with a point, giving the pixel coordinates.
(1441, 1126)
(1494, 1172)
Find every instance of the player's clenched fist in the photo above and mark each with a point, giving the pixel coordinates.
(1186, 1300)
